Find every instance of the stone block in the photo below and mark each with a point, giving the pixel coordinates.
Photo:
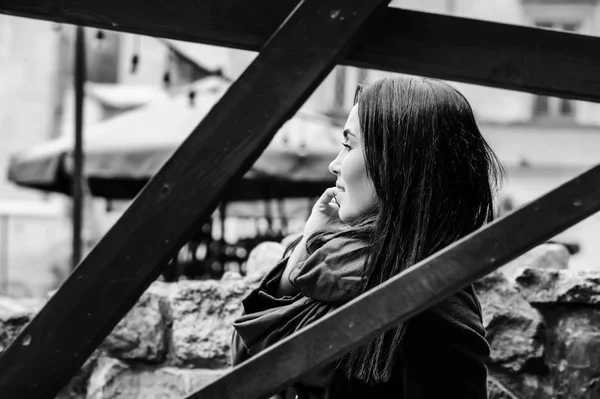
(103, 376)
(573, 352)
(10, 326)
(201, 313)
(77, 387)
(262, 259)
(142, 333)
(552, 287)
(514, 328)
(115, 379)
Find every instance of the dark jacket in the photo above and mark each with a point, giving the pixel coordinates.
(444, 350)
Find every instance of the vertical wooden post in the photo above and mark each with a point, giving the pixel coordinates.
(78, 175)
(223, 243)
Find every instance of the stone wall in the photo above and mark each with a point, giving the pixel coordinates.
(543, 325)
(544, 329)
(174, 341)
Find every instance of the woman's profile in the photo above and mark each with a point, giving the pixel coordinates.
(414, 174)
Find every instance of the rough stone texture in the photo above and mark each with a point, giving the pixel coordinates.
(115, 379)
(262, 259)
(106, 371)
(14, 316)
(521, 385)
(514, 328)
(497, 391)
(141, 334)
(573, 352)
(545, 256)
(548, 350)
(201, 313)
(559, 287)
(78, 386)
(11, 326)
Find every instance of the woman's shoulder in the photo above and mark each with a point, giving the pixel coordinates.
(459, 309)
(456, 321)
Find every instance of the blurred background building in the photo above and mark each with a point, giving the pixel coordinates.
(542, 141)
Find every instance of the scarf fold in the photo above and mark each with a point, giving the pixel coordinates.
(328, 278)
(333, 273)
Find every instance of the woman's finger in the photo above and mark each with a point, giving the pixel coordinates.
(327, 196)
(323, 212)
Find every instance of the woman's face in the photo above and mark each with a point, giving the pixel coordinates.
(357, 194)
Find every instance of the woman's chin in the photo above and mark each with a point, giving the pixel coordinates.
(343, 215)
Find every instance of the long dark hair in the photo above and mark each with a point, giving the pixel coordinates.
(435, 178)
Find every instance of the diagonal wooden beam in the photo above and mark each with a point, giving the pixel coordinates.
(492, 54)
(410, 292)
(184, 192)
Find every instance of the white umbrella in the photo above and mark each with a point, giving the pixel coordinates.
(124, 152)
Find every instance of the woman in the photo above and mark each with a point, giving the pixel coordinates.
(414, 175)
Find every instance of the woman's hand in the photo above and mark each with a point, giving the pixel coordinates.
(324, 212)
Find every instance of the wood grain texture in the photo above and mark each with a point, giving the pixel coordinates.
(182, 194)
(485, 53)
(411, 292)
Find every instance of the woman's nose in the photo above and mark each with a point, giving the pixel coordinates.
(334, 166)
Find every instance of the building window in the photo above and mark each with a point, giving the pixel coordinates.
(554, 107)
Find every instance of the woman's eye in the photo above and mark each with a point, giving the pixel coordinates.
(346, 146)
